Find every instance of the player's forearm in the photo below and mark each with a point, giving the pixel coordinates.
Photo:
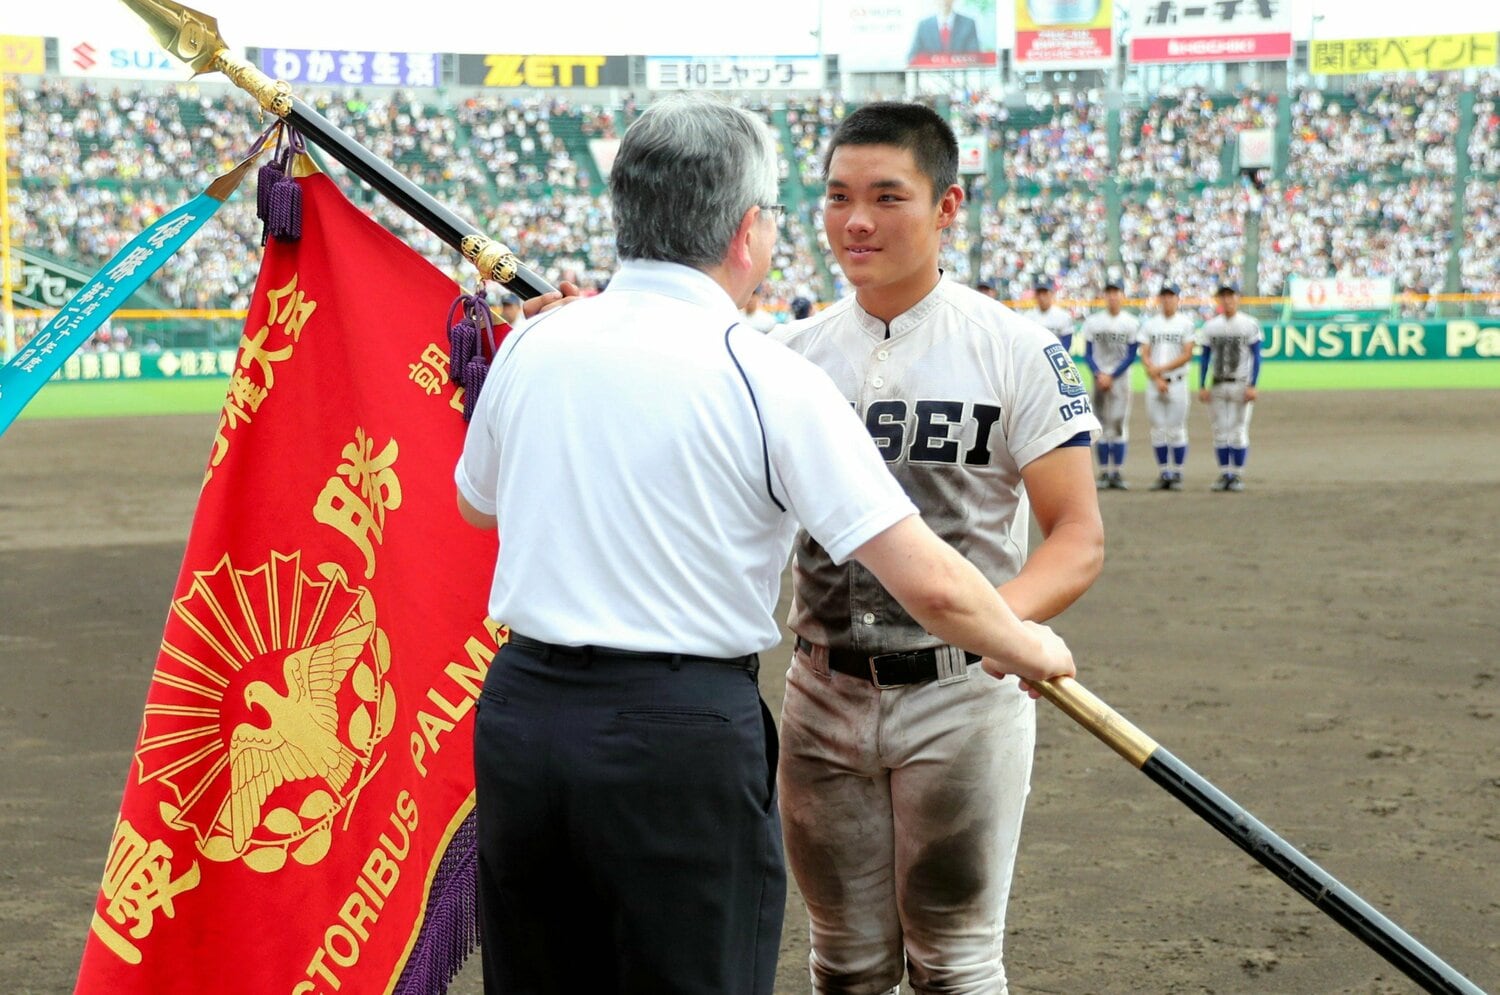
(948, 596)
(1057, 573)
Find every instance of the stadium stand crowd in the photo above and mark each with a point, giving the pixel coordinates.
(1368, 189)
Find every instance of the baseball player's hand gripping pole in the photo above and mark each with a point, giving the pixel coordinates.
(194, 38)
(1249, 834)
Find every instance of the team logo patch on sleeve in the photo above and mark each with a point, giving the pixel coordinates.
(1069, 383)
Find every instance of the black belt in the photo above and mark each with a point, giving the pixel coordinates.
(1229, 379)
(536, 647)
(887, 670)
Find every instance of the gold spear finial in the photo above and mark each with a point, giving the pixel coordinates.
(193, 37)
(189, 34)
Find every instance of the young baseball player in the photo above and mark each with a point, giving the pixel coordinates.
(628, 835)
(1054, 319)
(904, 767)
(1110, 347)
(1229, 345)
(1166, 341)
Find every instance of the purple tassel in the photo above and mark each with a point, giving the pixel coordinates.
(265, 178)
(469, 351)
(278, 198)
(285, 216)
(472, 380)
(450, 926)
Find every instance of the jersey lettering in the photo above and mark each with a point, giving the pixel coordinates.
(985, 416)
(933, 437)
(1077, 406)
(932, 444)
(886, 423)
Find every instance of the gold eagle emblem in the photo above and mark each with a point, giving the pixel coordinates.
(301, 740)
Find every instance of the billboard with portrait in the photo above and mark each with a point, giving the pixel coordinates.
(911, 34)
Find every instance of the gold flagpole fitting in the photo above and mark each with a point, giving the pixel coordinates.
(193, 37)
(493, 260)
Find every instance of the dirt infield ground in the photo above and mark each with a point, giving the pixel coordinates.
(1322, 647)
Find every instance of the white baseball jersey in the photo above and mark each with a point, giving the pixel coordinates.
(1229, 341)
(959, 393)
(1112, 337)
(1057, 321)
(1162, 338)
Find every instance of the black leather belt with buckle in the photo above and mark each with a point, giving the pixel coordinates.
(888, 670)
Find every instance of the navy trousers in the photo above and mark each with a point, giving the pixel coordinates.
(629, 840)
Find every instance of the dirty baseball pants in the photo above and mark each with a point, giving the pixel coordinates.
(902, 811)
(629, 840)
(1112, 407)
(1168, 412)
(1231, 414)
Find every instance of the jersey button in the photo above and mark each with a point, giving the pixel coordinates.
(883, 354)
(869, 618)
(877, 382)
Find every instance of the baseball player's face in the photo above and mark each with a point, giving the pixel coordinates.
(1113, 299)
(1229, 303)
(1044, 299)
(1168, 304)
(884, 226)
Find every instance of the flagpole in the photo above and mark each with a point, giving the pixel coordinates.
(194, 38)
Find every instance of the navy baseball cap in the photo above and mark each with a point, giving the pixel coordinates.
(1044, 283)
(510, 299)
(1168, 287)
(1228, 287)
(1113, 285)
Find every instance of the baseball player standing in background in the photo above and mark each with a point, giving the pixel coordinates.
(905, 767)
(1110, 347)
(1166, 340)
(1054, 319)
(1229, 345)
(648, 458)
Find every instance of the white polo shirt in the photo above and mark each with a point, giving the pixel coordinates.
(649, 459)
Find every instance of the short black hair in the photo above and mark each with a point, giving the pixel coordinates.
(918, 129)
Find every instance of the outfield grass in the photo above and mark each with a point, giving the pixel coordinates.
(205, 396)
(126, 398)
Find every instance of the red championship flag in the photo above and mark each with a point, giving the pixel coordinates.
(298, 815)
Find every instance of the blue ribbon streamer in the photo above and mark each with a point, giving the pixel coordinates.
(104, 294)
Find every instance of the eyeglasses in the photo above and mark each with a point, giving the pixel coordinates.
(776, 211)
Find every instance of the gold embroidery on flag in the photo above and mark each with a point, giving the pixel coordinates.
(270, 706)
(357, 508)
(431, 371)
(137, 884)
(253, 375)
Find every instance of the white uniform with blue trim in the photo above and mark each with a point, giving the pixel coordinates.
(1112, 336)
(960, 393)
(1057, 321)
(1161, 340)
(1231, 368)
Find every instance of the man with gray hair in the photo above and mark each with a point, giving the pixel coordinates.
(648, 459)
